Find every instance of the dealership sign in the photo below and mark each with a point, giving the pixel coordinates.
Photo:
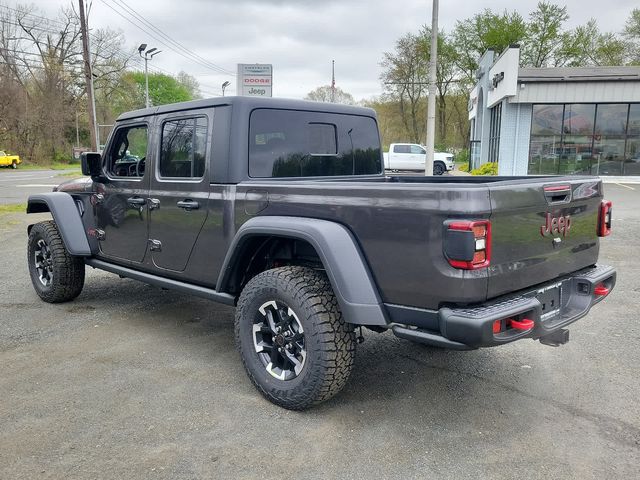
(254, 80)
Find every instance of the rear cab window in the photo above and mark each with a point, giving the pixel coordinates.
(288, 143)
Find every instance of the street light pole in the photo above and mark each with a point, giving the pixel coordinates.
(224, 86)
(146, 82)
(148, 55)
(431, 105)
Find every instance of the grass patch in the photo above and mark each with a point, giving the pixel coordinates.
(13, 208)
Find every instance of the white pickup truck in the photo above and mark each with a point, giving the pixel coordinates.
(411, 156)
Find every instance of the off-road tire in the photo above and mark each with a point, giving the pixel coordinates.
(329, 341)
(67, 271)
(439, 168)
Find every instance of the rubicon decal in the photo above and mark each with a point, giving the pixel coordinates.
(556, 225)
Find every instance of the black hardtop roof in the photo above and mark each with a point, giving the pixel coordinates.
(250, 103)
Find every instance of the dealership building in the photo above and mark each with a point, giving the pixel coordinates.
(555, 120)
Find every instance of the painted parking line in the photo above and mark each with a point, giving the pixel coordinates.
(623, 185)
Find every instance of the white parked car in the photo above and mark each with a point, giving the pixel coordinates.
(411, 156)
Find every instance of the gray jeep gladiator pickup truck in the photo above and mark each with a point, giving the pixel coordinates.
(282, 209)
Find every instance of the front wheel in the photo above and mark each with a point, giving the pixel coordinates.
(438, 168)
(14, 164)
(296, 348)
(56, 276)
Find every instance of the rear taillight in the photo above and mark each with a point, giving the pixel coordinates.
(604, 219)
(468, 244)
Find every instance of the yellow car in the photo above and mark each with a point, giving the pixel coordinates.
(9, 160)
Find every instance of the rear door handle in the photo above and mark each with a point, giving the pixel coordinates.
(188, 205)
(136, 201)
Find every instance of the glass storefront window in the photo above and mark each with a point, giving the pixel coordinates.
(611, 119)
(597, 139)
(544, 154)
(575, 154)
(632, 157)
(634, 119)
(547, 120)
(608, 155)
(578, 119)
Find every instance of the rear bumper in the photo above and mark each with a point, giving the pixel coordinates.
(468, 328)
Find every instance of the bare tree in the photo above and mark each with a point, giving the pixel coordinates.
(323, 94)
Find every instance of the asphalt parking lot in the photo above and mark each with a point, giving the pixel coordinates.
(129, 381)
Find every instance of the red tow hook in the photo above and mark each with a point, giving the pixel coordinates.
(601, 290)
(524, 324)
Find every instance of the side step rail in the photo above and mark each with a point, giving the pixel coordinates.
(161, 282)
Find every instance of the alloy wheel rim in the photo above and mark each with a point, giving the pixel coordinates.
(278, 338)
(43, 262)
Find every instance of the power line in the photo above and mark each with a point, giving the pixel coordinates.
(189, 52)
(169, 43)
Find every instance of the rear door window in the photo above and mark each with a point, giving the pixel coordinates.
(287, 143)
(184, 144)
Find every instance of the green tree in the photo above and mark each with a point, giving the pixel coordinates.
(631, 34)
(163, 89)
(486, 30)
(543, 35)
(587, 46)
(323, 94)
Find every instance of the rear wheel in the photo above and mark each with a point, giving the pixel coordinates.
(438, 168)
(296, 348)
(56, 276)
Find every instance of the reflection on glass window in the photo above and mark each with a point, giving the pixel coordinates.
(547, 120)
(285, 143)
(578, 119)
(632, 157)
(597, 139)
(611, 119)
(634, 119)
(183, 148)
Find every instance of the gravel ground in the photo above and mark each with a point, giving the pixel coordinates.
(129, 381)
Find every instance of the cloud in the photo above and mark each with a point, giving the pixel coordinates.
(301, 37)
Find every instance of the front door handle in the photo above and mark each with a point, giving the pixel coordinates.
(188, 205)
(136, 201)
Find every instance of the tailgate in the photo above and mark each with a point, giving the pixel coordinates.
(542, 228)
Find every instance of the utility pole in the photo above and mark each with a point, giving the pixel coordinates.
(91, 106)
(333, 81)
(431, 105)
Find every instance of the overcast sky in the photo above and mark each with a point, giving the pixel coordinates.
(301, 37)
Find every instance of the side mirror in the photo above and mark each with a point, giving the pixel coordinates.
(91, 163)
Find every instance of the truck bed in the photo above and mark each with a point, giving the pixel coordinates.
(399, 223)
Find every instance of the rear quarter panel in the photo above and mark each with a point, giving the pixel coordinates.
(399, 228)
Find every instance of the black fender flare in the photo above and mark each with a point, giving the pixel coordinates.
(339, 252)
(67, 217)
